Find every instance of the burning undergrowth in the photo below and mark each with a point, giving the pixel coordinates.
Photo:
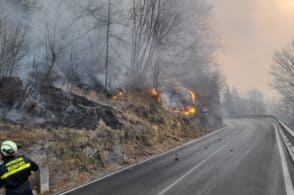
(83, 107)
(180, 99)
(126, 127)
(175, 99)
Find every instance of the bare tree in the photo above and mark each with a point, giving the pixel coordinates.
(283, 81)
(53, 47)
(235, 105)
(13, 48)
(256, 105)
(283, 72)
(107, 43)
(153, 22)
(100, 17)
(284, 109)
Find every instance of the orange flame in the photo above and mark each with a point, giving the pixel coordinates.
(189, 111)
(155, 93)
(192, 95)
(118, 95)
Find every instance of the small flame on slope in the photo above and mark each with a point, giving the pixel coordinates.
(155, 93)
(118, 95)
(192, 95)
(189, 110)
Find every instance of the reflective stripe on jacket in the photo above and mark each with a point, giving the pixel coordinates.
(14, 174)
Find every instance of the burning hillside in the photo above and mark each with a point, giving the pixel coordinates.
(125, 128)
(178, 100)
(64, 100)
(80, 107)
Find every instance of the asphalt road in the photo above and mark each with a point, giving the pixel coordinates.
(242, 159)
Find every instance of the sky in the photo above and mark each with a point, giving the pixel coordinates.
(250, 31)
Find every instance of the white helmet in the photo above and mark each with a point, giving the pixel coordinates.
(8, 148)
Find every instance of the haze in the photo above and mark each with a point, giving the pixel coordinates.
(250, 32)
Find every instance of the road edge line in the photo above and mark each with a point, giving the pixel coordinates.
(144, 161)
(286, 174)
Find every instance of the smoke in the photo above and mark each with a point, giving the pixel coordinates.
(80, 32)
(55, 20)
(177, 97)
(251, 31)
(68, 38)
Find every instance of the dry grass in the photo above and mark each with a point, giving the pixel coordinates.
(77, 156)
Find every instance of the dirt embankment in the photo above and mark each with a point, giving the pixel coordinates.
(123, 131)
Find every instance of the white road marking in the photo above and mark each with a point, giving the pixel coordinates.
(149, 159)
(287, 178)
(190, 171)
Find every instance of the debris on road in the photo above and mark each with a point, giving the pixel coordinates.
(177, 157)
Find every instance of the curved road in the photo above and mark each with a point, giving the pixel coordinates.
(244, 159)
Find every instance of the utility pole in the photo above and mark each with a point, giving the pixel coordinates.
(107, 43)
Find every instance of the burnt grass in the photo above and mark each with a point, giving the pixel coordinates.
(73, 111)
(52, 107)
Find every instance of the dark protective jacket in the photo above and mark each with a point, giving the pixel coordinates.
(14, 175)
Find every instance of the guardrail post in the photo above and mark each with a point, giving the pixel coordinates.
(44, 179)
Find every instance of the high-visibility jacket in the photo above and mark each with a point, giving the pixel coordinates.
(14, 175)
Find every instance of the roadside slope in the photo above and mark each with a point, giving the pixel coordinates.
(75, 156)
(242, 159)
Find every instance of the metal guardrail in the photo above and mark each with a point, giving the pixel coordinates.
(289, 132)
(286, 134)
(286, 129)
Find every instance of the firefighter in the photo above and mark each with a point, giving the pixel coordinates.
(15, 170)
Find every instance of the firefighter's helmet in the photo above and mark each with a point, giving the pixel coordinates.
(8, 148)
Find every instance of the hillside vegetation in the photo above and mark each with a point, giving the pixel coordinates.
(75, 156)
